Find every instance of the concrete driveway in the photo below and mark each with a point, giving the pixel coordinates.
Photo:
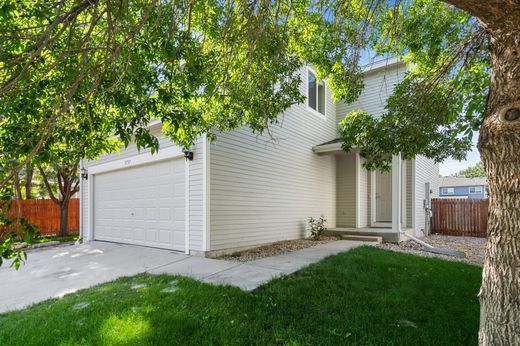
(54, 272)
(57, 271)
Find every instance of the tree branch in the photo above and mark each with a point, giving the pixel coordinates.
(493, 14)
(47, 185)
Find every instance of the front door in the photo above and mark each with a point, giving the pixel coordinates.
(383, 195)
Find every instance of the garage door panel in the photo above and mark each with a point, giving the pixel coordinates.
(142, 205)
(179, 215)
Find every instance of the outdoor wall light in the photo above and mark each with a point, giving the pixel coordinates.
(84, 174)
(188, 155)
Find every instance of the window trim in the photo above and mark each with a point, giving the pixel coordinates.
(475, 192)
(446, 191)
(309, 108)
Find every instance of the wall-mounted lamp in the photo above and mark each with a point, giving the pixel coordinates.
(188, 155)
(84, 174)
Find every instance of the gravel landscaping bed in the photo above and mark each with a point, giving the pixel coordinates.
(472, 247)
(277, 248)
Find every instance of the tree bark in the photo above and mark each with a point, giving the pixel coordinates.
(17, 187)
(29, 172)
(64, 217)
(499, 146)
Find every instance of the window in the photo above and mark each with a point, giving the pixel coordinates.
(475, 189)
(448, 191)
(315, 93)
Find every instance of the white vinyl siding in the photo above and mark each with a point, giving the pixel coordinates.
(379, 85)
(346, 190)
(409, 192)
(426, 171)
(369, 198)
(263, 189)
(364, 195)
(195, 186)
(196, 197)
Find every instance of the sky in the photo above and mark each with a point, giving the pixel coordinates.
(450, 167)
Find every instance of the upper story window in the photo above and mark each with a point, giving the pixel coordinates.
(475, 189)
(448, 191)
(315, 93)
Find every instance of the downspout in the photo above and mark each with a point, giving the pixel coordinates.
(430, 248)
(80, 237)
(187, 204)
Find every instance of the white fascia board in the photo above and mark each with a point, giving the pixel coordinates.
(140, 159)
(381, 65)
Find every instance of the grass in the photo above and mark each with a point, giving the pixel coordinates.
(363, 297)
(67, 238)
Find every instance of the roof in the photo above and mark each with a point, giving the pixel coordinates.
(454, 181)
(337, 140)
(332, 146)
(383, 64)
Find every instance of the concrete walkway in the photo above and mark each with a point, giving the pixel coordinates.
(57, 271)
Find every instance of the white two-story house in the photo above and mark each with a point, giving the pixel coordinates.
(244, 189)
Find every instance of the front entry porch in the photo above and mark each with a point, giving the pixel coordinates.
(387, 235)
(370, 203)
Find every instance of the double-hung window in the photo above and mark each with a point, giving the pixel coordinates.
(475, 189)
(448, 191)
(315, 93)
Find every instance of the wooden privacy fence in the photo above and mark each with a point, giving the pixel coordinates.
(45, 214)
(460, 217)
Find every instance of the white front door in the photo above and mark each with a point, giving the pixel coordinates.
(143, 205)
(383, 196)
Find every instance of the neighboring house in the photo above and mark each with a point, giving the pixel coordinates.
(462, 187)
(244, 189)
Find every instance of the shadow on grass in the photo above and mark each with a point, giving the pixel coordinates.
(365, 296)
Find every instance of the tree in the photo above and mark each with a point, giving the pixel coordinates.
(464, 76)
(13, 228)
(476, 171)
(209, 66)
(76, 72)
(66, 177)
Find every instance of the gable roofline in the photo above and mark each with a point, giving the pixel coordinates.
(384, 64)
(452, 181)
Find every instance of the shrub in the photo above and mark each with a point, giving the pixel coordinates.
(317, 226)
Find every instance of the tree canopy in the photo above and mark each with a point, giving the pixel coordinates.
(442, 98)
(82, 77)
(74, 74)
(476, 171)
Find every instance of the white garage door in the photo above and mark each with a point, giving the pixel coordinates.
(143, 205)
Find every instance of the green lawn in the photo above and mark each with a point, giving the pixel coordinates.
(363, 297)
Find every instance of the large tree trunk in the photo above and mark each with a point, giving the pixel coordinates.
(64, 217)
(499, 145)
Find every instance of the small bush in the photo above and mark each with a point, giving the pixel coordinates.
(317, 227)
